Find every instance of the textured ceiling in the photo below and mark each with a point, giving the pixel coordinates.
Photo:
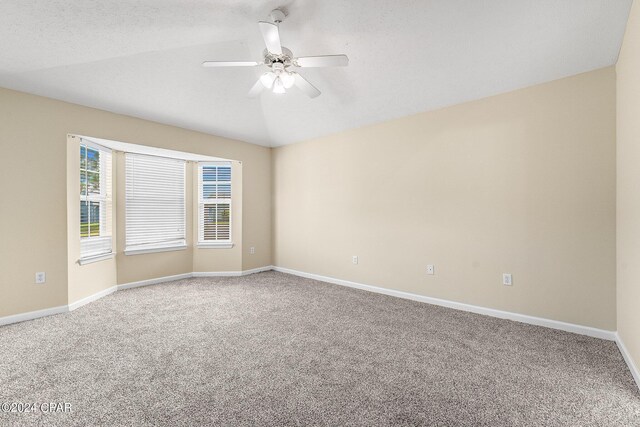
(142, 57)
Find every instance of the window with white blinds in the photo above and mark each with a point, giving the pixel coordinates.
(155, 216)
(95, 200)
(214, 207)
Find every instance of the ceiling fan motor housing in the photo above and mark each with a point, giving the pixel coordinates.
(285, 59)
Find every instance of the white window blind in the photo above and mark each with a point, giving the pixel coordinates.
(95, 200)
(155, 214)
(214, 208)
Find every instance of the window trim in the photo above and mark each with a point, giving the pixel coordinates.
(155, 248)
(95, 258)
(214, 244)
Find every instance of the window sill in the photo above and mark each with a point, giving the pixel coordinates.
(219, 245)
(154, 250)
(95, 258)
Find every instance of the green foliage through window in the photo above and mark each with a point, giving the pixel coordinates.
(89, 186)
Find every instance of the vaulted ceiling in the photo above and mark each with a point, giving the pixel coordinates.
(142, 57)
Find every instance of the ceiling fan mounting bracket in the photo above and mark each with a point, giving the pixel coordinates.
(277, 15)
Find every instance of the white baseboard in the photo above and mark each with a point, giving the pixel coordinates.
(21, 317)
(16, 318)
(231, 273)
(216, 274)
(257, 270)
(92, 298)
(627, 358)
(538, 321)
(154, 281)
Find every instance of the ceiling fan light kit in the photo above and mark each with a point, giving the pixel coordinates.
(281, 61)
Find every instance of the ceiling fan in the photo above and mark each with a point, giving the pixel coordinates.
(280, 62)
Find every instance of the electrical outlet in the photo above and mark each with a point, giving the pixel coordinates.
(507, 280)
(41, 277)
(430, 269)
(354, 259)
(252, 250)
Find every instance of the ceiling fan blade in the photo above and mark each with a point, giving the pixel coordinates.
(323, 61)
(256, 90)
(305, 86)
(230, 63)
(271, 36)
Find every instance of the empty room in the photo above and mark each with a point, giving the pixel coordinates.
(327, 213)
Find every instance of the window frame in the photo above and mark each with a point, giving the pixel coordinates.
(102, 199)
(156, 247)
(214, 244)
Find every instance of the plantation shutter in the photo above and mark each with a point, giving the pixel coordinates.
(155, 216)
(95, 200)
(214, 208)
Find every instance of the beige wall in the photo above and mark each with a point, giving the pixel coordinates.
(628, 220)
(522, 183)
(33, 172)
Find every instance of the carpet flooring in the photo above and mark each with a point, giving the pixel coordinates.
(272, 349)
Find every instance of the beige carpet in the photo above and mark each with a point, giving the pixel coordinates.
(274, 349)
